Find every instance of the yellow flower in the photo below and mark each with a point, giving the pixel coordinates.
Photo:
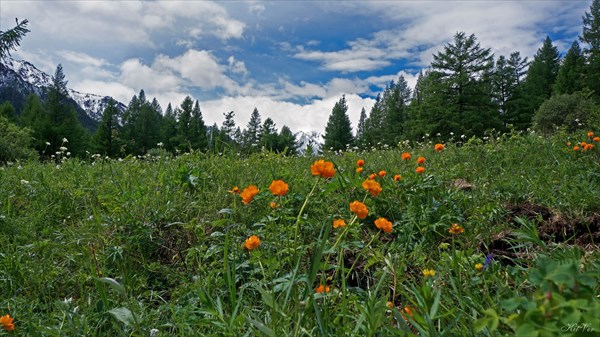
(420, 170)
(405, 156)
(444, 245)
(7, 322)
(252, 242)
(428, 272)
(372, 186)
(322, 288)
(359, 209)
(397, 177)
(234, 190)
(384, 224)
(323, 168)
(478, 266)
(420, 160)
(248, 194)
(339, 223)
(456, 229)
(278, 187)
(439, 147)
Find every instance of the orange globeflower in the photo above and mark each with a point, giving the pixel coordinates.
(359, 169)
(576, 148)
(322, 288)
(420, 160)
(406, 156)
(382, 173)
(372, 186)
(582, 144)
(359, 209)
(384, 224)
(372, 176)
(234, 190)
(397, 177)
(420, 170)
(588, 147)
(323, 168)
(273, 204)
(252, 242)
(389, 304)
(7, 322)
(590, 134)
(248, 194)
(337, 223)
(439, 147)
(408, 310)
(456, 229)
(278, 187)
(596, 139)
(360, 163)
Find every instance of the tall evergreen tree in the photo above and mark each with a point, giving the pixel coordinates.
(228, 126)
(360, 129)
(198, 135)
(184, 123)
(141, 125)
(374, 124)
(251, 134)
(395, 99)
(168, 129)
(35, 117)
(338, 132)
(591, 38)
(268, 135)
(105, 139)
(571, 72)
(287, 141)
(10, 39)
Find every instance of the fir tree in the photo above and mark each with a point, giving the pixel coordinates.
(168, 129)
(591, 38)
(251, 134)
(10, 39)
(268, 135)
(338, 132)
(287, 141)
(198, 136)
(571, 72)
(105, 139)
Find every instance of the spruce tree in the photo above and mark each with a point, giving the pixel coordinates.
(168, 129)
(591, 38)
(395, 103)
(287, 141)
(251, 134)
(571, 72)
(198, 136)
(268, 135)
(105, 139)
(10, 39)
(360, 129)
(184, 131)
(338, 132)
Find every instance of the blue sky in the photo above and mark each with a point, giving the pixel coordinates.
(291, 59)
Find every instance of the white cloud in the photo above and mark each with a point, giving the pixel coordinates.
(237, 66)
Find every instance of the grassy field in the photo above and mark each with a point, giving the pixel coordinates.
(497, 237)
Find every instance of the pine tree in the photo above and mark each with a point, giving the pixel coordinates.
(287, 141)
(571, 72)
(360, 129)
(184, 131)
(8, 111)
(374, 124)
(591, 38)
(141, 125)
(395, 103)
(35, 117)
(105, 139)
(228, 126)
(338, 132)
(10, 39)
(198, 136)
(251, 134)
(268, 135)
(168, 129)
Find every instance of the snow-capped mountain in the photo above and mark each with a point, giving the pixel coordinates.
(307, 140)
(19, 78)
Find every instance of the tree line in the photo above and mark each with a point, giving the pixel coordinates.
(466, 92)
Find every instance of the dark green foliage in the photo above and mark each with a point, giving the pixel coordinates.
(571, 74)
(338, 132)
(268, 135)
(10, 39)
(591, 38)
(106, 139)
(141, 125)
(8, 111)
(572, 111)
(168, 129)
(252, 134)
(15, 142)
(287, 141)
(184, 124)
(198, 138)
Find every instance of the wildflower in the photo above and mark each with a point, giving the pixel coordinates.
(444, 245)
(420, 160)
(359, 209)
(575, 148)
(428, 272)
(372, 186)
(7, 322)
(439, 147)
(389, 304)
(456, 229)
(397, 177)
(273, 204)
(359, 169)
(568, 143)
(372, 176)
(65, 140)
(278, 187)
(478, 266)
(323, 168)
(360, 163)
(337, 223)
(234, 190)
(248, 194)
(420, 170)
(582, 144)
(252, 242)
(596, 139)
(384, 224)
(322, 288)
(382, 173)
(62, 149)
(590, 134)
(47, 143)
(160, 144)
(588, 147)
(405, 156)
(407, 309)
(24, 182)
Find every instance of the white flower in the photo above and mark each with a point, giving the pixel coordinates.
(65, 140)
(160, 144)
(68, 154)
(451, 133)
(62, 149)
(47, 143)
(24, 182)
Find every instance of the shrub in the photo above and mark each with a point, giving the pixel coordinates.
(572, 111)
(14, 142)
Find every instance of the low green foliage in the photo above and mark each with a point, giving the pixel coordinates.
(158, 245)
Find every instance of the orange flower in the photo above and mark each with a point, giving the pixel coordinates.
(390, 304)
(596, 139)
(359, 169)
(456, 229)
(439, 147)
(360, 163)
(322, 288)
(273, 204)
(372, 176)
(339, 223)
(323, 168)
(582, 144)
(406, 156)
(252, 242)
(234, 190)
(7, 322)
(575, 148)
(590, 134)
(278, 187)
(397, 177)
(372, 186)
(384, 224)
(588, 147)
(248, 194)
(420, 170)
(420, 160)
(408, 310)
(382, 173)
(359, 209)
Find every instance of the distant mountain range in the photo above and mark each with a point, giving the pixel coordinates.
(20, 78)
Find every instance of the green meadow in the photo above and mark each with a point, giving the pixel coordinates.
(499, 236)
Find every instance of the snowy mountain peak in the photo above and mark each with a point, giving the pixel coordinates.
(29, 73)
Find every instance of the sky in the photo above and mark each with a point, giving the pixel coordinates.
(292, 60)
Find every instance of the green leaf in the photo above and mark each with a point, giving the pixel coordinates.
(114, 284)
(261, 327)
(124, 315)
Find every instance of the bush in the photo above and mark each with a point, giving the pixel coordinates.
(572, 111)
(15, 142)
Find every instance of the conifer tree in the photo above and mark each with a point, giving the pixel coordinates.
(361, 128)
(268, 135)
(10, 39)
(168, 129)
(198, 136)
(591, 38)
(287, 141)
(251, 135)
(105, 139)
(338, 132)
(395, 100)
(571, 72)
